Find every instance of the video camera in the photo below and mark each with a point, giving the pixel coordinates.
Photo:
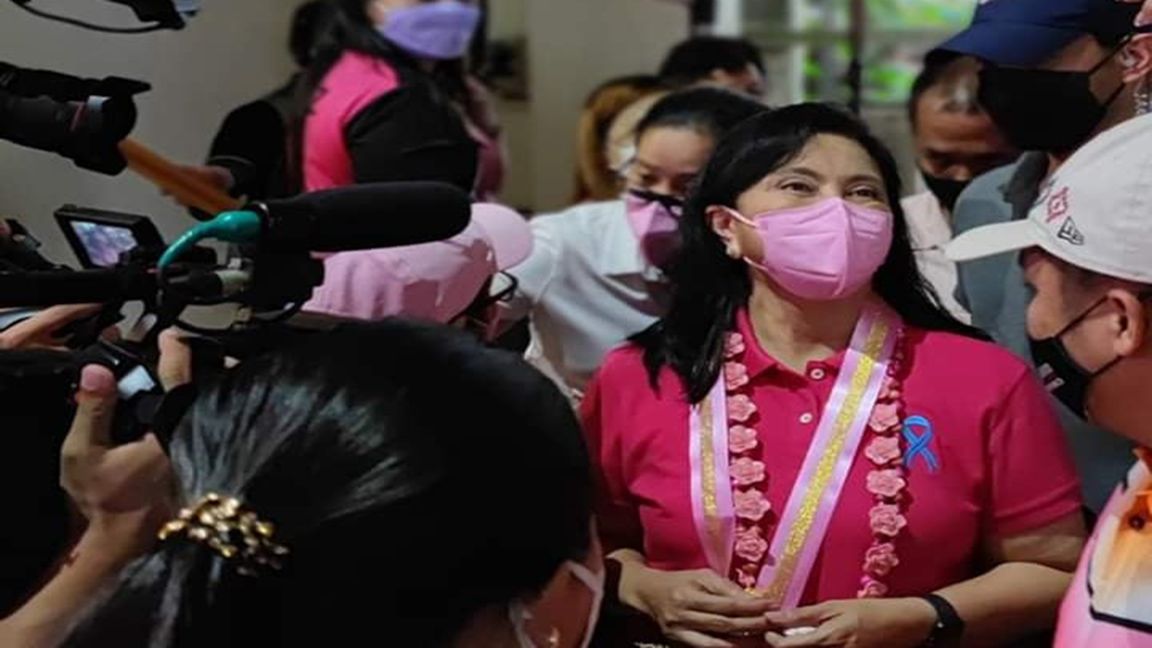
(83, 120)
(270, 274)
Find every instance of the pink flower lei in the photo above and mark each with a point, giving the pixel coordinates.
(887, 482)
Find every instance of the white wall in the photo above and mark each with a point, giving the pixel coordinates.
(232, 53)
(574, 45)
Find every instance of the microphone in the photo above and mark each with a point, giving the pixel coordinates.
(362, 217)
(75, 287)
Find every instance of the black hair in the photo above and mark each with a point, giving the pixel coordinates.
(938, 67)
(713, 111)
(696, 58)
(308, 25)
(415, 476)
(709, 288)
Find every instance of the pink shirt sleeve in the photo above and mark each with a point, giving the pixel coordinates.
(1033, 479)
(617, 517)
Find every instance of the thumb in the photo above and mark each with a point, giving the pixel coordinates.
(95, 408)
(810, 616)
(175, 366)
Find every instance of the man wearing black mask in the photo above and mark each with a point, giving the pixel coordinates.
(1056, 73)
(956, 141)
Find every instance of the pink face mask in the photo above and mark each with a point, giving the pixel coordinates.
(655, 220)
(823, 251)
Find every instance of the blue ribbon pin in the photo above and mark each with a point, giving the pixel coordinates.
(919, 434)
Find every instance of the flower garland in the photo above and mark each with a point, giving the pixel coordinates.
(755, 518)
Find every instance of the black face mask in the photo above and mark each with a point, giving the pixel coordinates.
(946, 190)
(1044, 110)
(1063, 376)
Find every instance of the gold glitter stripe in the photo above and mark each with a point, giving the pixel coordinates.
(708, 475)
(798, 534)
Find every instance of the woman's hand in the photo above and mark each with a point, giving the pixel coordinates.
(864, 623)
(126, 492)
(697, 608)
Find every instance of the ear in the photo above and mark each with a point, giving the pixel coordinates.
(724, 224)
(1136, 57)
(721, 77)
(1131, 323)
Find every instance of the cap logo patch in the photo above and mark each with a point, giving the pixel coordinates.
(1069, 232)
(1058, 205)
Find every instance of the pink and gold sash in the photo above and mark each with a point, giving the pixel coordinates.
(804, 522)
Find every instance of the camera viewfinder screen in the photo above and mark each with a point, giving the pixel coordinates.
(104, 243)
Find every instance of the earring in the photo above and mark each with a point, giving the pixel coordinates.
(1144, 98)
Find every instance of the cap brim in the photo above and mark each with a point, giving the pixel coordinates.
(507, 232)
(1011, 44)
(994, 239)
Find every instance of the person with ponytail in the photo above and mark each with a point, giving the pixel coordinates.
(392, 484)
(807, 449)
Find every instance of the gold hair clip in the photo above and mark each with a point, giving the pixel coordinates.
(226, 527)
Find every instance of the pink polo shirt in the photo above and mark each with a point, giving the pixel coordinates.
(998, 464)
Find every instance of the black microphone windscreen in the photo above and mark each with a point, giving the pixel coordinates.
(365, 217)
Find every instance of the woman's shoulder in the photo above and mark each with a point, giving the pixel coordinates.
(965, 360)
(624, 364)
(362, 72)
(625, 372)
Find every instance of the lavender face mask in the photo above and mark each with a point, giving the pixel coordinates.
(440, 31)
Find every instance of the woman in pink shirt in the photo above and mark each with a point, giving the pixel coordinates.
(807, 450)
(390, 101)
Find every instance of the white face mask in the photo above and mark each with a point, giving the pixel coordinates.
(521, 616)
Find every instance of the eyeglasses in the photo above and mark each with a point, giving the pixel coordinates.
(480, 318)
(636, 175)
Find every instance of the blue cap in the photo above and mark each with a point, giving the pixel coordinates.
(1025, 33)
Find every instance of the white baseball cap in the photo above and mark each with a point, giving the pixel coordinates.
(1095, 212)
(432, 281)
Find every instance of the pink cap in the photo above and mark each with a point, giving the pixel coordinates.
(432, 281)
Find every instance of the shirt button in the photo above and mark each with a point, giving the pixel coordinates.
(817, 374)
(806, 418)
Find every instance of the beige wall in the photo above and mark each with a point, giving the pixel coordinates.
(232, 53)
(574, 45)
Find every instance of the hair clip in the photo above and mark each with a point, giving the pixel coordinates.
(232, 531)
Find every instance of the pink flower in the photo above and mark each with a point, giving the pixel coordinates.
(886, 483)
(746, 472)
(890, 390)
(735, 375)
(750, 545)
(742, 439)
(750, 505)
(881, 559)
(734, 345)
(871, 588)
(740, 408)
(885, 417)
(884, 450)
(887, 520)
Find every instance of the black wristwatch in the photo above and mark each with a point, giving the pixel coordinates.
(949, 626)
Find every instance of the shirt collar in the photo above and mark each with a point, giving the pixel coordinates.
(758, 361)
(1023, 187)
(620, 253)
